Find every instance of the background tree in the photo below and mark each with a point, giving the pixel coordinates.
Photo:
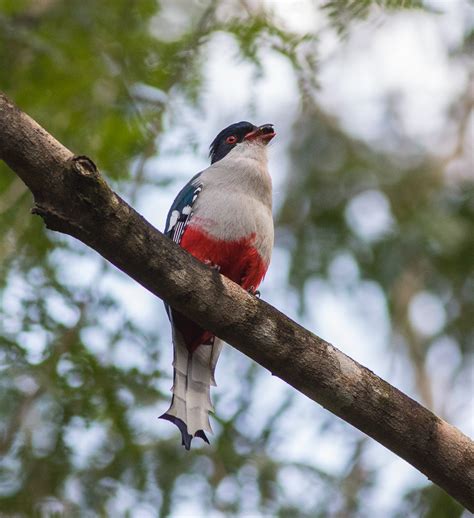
(376, 222)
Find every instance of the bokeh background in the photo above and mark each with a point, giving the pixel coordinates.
(374, 208)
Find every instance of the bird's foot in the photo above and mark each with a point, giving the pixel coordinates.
(254, 292)
(212, 265)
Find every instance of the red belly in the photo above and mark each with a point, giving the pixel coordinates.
(238, 260)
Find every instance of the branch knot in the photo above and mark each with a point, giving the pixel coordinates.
(84, 166)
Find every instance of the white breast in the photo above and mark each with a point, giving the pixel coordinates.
(236, 198)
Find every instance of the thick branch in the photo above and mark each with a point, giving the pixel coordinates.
(72, 197)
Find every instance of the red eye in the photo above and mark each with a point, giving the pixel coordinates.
(231, 140)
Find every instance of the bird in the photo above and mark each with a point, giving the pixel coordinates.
(223, 217)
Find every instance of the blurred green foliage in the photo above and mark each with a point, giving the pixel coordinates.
(100, 78)
(342, 12)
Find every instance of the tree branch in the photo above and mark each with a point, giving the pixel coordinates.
(72, 197)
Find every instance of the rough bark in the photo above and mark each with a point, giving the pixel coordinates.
(72, 197)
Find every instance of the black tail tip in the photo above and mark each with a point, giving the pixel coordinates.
(186, 438)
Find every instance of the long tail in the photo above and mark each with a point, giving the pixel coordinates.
(193, 376)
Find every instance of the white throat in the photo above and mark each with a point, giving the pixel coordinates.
(249, 150)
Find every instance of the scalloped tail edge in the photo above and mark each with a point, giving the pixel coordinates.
(186, 438)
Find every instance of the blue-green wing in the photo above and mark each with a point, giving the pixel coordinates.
(181, 209)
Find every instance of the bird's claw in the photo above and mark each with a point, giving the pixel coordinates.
(254, 292)
(212, 265)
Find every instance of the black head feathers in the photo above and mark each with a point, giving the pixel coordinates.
(228, 138)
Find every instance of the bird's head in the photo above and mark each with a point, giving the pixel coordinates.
(238, 133)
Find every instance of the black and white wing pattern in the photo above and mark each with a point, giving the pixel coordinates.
(182, 209)
(180, 213)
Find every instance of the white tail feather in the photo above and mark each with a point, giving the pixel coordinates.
(216, 351)
(193, 376)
